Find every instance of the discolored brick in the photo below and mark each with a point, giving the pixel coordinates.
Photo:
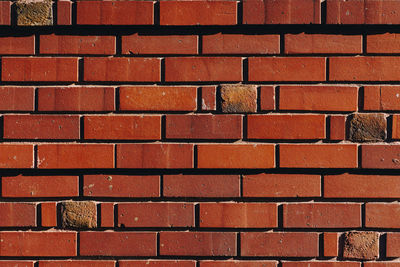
(361, 245)
(367, 128)
(81, 214)
(238, 98)
(34, 13)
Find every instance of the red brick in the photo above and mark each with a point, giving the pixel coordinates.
(115, 13)
(38, 244)
(383, 43)
(158, 98)
(321, 264)
(17, 98)
(75, 156)
(155, 156)
(67, 44)
(76, 99)
(119, 69)
(267, 98)
(380, 156)
(198, 13)
(337, 127)
(393, 245)
(156, 214)
(40, 186)
(382, 215)
(382, 264)
(23, 45)
(156, 263)
(200, 69)
(281, 12)
(49, 214)
(16, 156)
(17, 214)
(43, 69)
(208, 98)
(322, 44)
(284, 126)
(148, 44)
(15, 263)
(321, 215)
(122, 127)
(76, 263)
(318, 98)
(121, 186)
(64, 12)
(279, 244)
(361, 186)
(107, 214)
(217, 186)
(232, 156)
(378, 97)
(395, 127)
(203, 126)
(281, 185)
(286, 69)
(118, 244)
(318, 156)
(238, 215)
(331, 244)
(5, 12)
(198, 244)
(41, 127)
(241, 44)
(364, 68)
(236, 263)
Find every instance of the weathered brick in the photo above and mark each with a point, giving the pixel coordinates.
(238, 98)
(16, 156)
(208, 98)
(78, 214)
(367, 127)
(361, 245)
(34, 13)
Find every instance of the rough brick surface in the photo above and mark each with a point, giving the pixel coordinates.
(238, 98)
(34, 13)
(80, 214)
(361, 245)
(367, 128)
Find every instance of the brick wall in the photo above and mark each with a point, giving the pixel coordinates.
(200, 133)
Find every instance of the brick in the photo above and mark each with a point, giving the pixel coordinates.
(286, 69)
(34, 13)
(119, 69)
(330, 244)
(64, 12)
(16, 156)
(107, 214)
(337, 127)
(5, 12)
(75, 156)
(121, 186)
(281, 185)
(49, 214)
(361, 186)
(76, 99)
(155, 215)
(118, 244)
(237, 263)
(203, 126)
(17, 98)
(279, 244)
(66, 44)
(364, 68)
(40, 186)
(15, 263)
(202, 69)
(392, 245)
(40, 127)
(241, 44)
(318, 156)
(383, 43)
(380, 156)
(38, 244)
(198, 244)
(232, 156)
(318, 98)
(284, 126)
(238, 98)
(148, 44)
(198, 13)
(395, 127)
(17, 45)
(267, 98)
(322, 44)
(281, 12)
(158, 98)
(381, 97)
(321, 264)
(238, 215)
(78, 214)
(361, 245)
(76, 263)
(155, 156)
(321, 215)
(208, 98)
(381, 264)
(122, 127)
(382, 215)
(115, 13)
(367, 127)
(17, 214)
(156, 263)
(216, 186)
(43, 69)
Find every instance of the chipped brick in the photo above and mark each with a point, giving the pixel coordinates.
(81, 214)
(239, 98)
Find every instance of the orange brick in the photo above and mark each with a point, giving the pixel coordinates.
(49, 214)
(17, 45)
(330, 244)
(107, 214)
(337, 124)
